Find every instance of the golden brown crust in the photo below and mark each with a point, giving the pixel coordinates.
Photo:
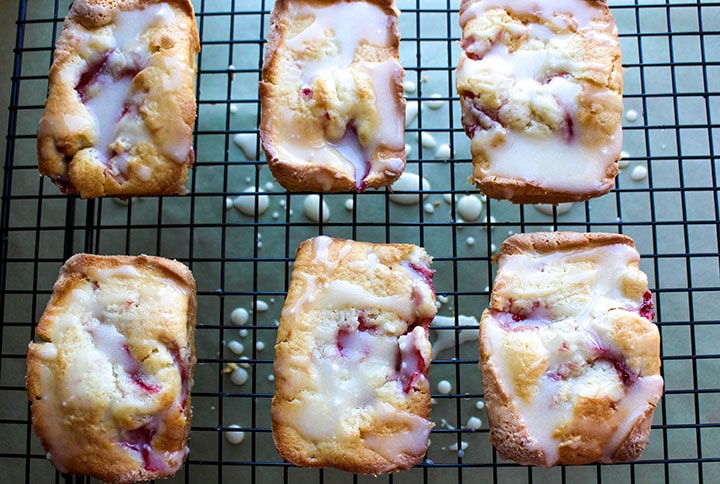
(307, 330)
(508, 434)
(548, 242)
(314, 116)
(625, 336)
(151, 158)
(522, 191)
(89, 422)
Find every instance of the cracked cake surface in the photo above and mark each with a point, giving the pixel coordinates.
(110, 370)
(121, 107)
(540, 86)
(352, 356)
(570, 358)
(333, 110)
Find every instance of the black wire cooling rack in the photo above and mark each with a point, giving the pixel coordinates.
(666, 199)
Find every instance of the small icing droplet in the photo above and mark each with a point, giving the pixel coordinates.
(469, 208)
(409, 182)
(236, 347)
(410, 87)
(427, 140)
(639, 173)
(247, 142)
(239, 376)
(470, 241)
(631, 115)
(261, 306)
(239, 316)
(443, 152)
(429, 208)
(473, 423)
(349, 204)
(463, 445)
(444, 387)
(436, 101)
(245, 204)
(314, 209)
(234, 436)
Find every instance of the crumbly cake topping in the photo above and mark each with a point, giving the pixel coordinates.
(113, 372)
(338, 84)
(106, 85)
(121, 105)
(541, 91)
(370, 349)
(571, 336)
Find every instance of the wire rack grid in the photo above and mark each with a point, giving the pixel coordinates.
(666, 199)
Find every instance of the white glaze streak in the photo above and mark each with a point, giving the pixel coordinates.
(352, 368)
(555, 162)
(382, 76)
(572, 341)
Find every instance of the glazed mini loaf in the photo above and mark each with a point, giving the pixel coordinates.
(352, 356)
(569, 354)
(110, 371)
(540, 86)
(333, 111)
(120, 110)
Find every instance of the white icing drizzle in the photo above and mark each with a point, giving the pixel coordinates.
(118, 129)
(348, 155)
(341, 294)
(391, 132)
(373, 28)
(99, 369)
(411, 440)
(320, 246)
(551, 11)
(557, 163)
(570, 344)
(353, 363)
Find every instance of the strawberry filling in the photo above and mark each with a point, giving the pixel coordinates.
(513, 318)
(625, 373)
(424, 273)
(356, 344)
(306, 93)
(184, 377)
(91, 75)
(647, 308)
(134, 370)
(140, 441)
(476, 117)
(410, 364)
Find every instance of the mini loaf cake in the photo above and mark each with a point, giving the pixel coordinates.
(333, 110)
(569, 354)
(352, 356)
(110, 372)
(540, 86)
(120, 110)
